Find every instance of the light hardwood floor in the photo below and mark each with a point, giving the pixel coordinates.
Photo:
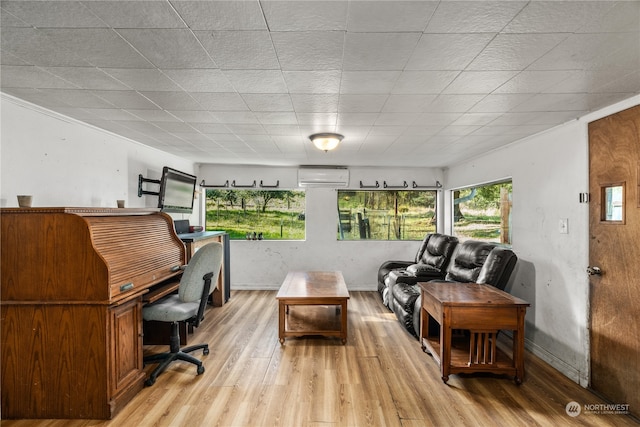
(380, 377)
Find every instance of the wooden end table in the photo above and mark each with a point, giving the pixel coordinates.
(312, 288)
(482, 310)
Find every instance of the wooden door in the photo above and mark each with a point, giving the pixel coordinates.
(614, 255)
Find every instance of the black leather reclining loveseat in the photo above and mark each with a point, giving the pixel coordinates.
(470, 261)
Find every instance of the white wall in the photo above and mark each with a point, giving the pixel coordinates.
(548, 171)
(264, 264)
(63, 162)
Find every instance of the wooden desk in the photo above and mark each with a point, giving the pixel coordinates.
(312, 288)
(482, 310)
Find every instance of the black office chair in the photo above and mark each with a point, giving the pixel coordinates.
(187, 305)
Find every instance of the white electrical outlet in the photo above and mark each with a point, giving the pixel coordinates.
(564, 225)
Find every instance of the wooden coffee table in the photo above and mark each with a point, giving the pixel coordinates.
(312, 288)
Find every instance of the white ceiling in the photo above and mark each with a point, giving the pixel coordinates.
(414, 83)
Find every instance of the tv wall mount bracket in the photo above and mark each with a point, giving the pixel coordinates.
(142, 180)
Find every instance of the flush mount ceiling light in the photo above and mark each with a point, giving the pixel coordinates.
(326, 141)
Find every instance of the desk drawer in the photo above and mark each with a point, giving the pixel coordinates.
(484, 318)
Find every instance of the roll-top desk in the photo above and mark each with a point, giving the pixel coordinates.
(72, 287)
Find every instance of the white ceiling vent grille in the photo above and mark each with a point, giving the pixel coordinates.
(323, 177)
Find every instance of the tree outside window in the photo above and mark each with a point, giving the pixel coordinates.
(483, 213)
(257, 214)
(386, 214)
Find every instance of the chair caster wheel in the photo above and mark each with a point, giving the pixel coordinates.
(200, 369)
(149, 382)
(205, 351)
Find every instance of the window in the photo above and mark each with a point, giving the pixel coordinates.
(386, 214)
(259, 214)
(483, 213)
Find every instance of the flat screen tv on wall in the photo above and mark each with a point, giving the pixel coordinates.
(176, 191)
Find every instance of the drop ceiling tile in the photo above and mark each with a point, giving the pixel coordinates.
(389, 16)
(554, 102)
(470, 119)
(500, 103)
(396, 119)
(38, 97)
(9, 20)
(236, 117)
(281, 129)
(447, 51)
(210, 128)
(97, 46)
(257, 81)
(557, 16)
(152, 115)
(136, 14)
(31, 77)
(515, 51)
(173, 100)
(473, 16)
(53, 14)
(170, 48)
(452, 103)
(88, 78)
(315, 103)
(629, 83)
(454, 130)
(174, 127)
(424, 82)
(305, 16)
(150, 79)
(126, 99)
(7, 58)
(434, 119)
(356, 119)
(534, 81)
(277, 118)
(240, 49)
(111, 114)
(319, 121)
(478, 82)
(307, 51)
(378, 51)
(78, 98)
(194, 116)
(268, 102)
(312, 81)
(215, 101)
(387, 125)
(35, 47)
(200, 80)
(624, 16)
(422, 131)
(407, 103)
(368, 82)
(221, 15)
(361, 103)
(579, 51)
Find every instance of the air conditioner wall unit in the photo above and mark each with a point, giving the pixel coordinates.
(323, 177)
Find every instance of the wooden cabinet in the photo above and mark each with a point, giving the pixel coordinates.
(71, 290)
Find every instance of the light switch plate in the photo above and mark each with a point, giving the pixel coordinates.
(564, 225)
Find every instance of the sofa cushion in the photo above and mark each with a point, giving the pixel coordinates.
(405, 296)
(497, 268)
(424, 270)
(468, 261)
(437, 251)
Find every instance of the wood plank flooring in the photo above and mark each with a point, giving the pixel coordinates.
(380, 377)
